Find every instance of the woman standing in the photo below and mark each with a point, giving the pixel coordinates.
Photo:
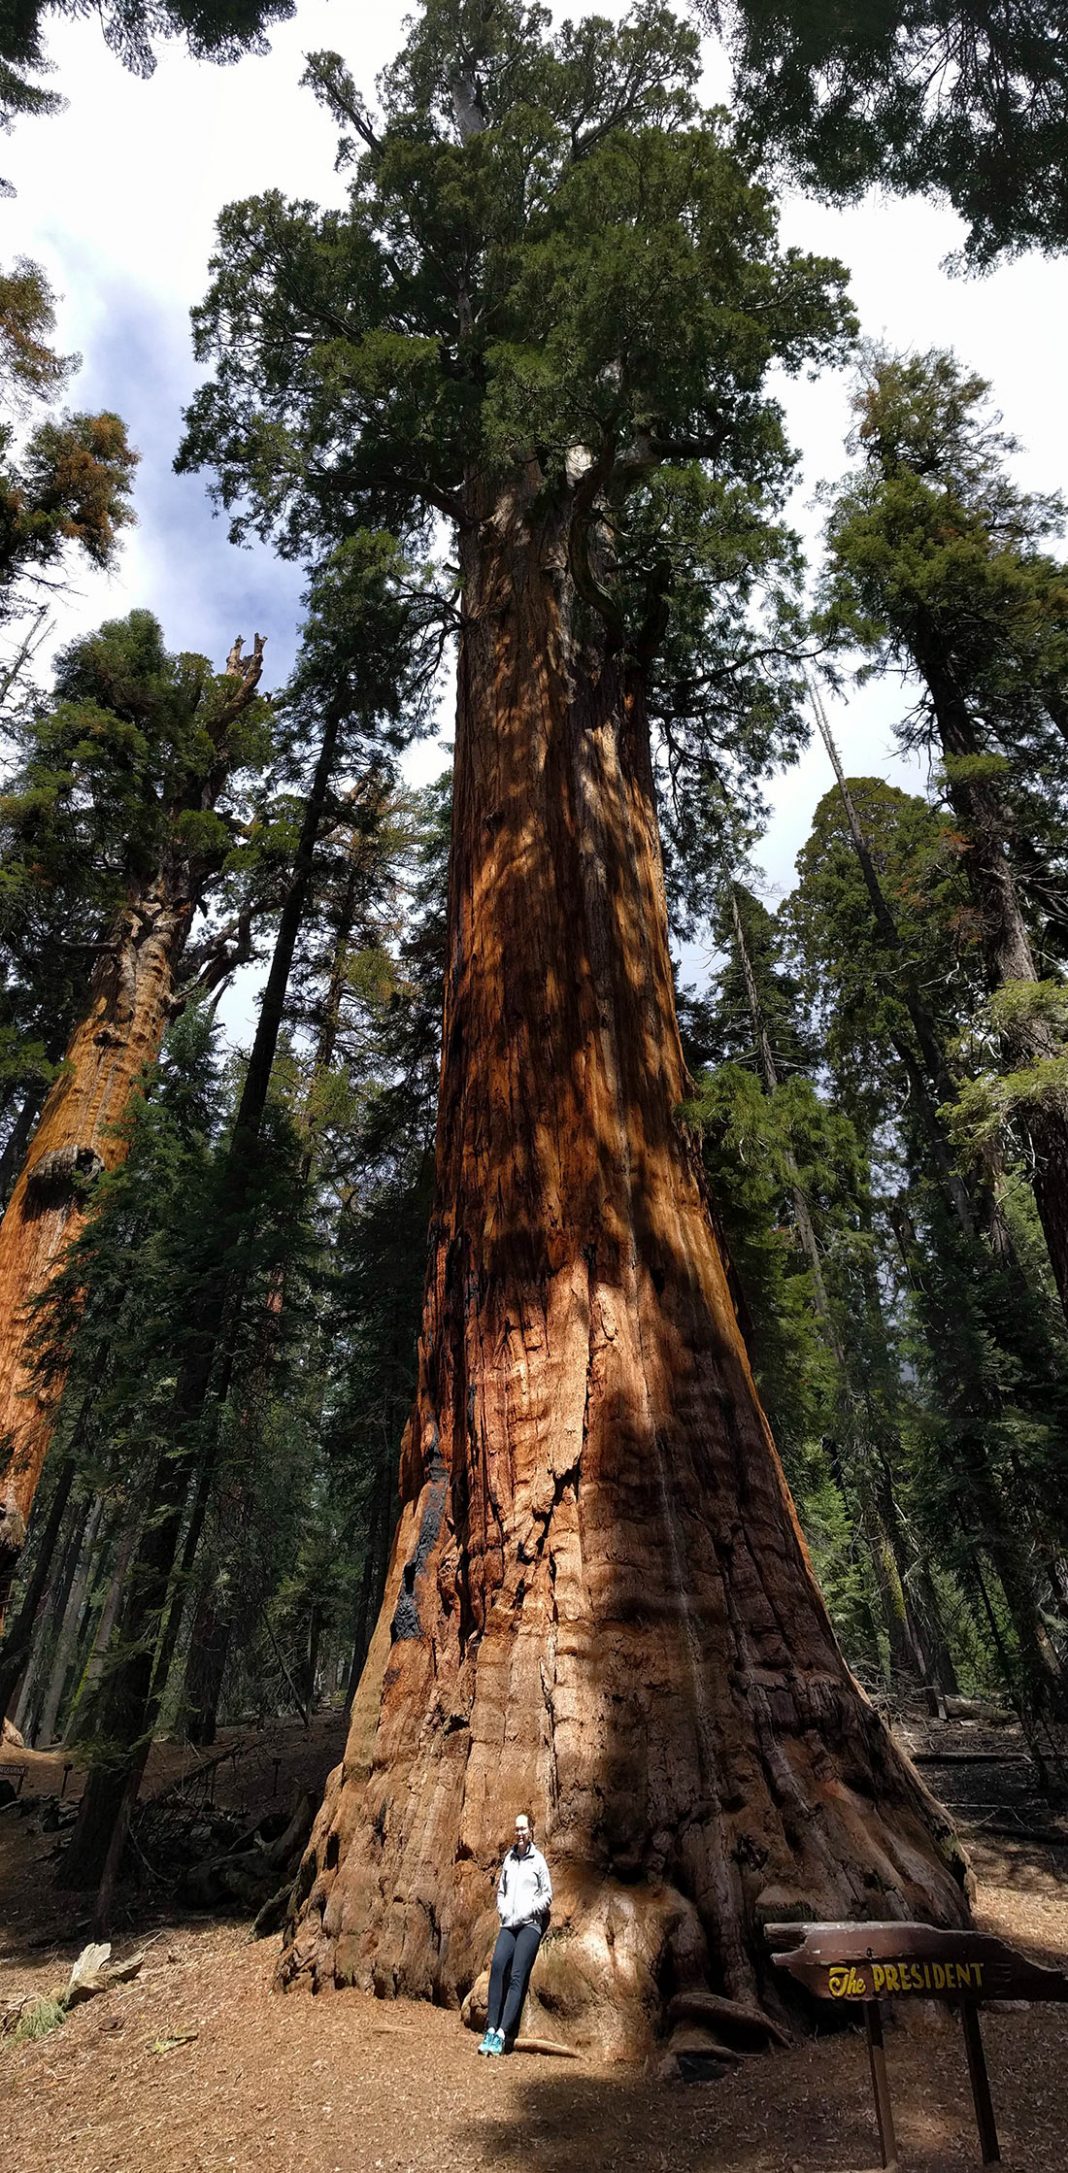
(524, 1892)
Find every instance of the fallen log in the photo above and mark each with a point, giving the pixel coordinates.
(93, 1972)
(249, 1873)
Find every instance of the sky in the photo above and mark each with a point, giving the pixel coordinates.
(117, 198)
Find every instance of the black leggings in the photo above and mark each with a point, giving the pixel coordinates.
(513, 1960)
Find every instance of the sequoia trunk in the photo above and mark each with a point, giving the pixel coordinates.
(599, 1605)
(77, 1138)
(130, 999)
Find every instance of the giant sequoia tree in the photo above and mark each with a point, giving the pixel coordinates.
(546, 312)
(161, 736)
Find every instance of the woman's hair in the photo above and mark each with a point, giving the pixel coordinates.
(527, 1816)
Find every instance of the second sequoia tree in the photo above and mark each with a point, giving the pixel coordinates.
(547, 313)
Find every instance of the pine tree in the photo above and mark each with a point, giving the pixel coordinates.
(924, 542)
(276, 1531)
(546, 312)
(787, 1170)
(64, 482)
(988, 1342)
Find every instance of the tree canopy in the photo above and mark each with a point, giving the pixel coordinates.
(965, 100)
(555, 258)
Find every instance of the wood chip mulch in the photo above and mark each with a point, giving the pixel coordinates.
(199, 2066)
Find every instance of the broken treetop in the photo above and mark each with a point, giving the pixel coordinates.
(884, 1961)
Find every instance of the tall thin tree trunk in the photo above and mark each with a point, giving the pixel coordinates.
(18, 1639)
(1028, 1037)
(209, 1647)
(970, 1410)
(130, 1526)
(212, 1632)
(905, 1647)
(373, 1576)
(70, 1630)
(18, 1139)
(599, 1606)
(35, 1679)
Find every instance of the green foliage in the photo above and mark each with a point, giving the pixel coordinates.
(963, 100)
(982, 1412)
(29, 368)
(130, 761)
(69, 486)
(547, 255)
(38, 2019)
(856, 990)
(137, 769)
(939, 566)
(746, 1144)
(64, 485)
(843, 1569)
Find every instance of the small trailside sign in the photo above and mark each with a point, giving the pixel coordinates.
(894, 1961)
(866, 1963)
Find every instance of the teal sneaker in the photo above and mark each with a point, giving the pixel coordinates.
(497, 2047)
(489, 2042)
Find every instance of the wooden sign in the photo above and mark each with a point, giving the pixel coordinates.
(864, 1963)
(899, 1961)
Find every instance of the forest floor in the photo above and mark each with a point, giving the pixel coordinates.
(199, 2066)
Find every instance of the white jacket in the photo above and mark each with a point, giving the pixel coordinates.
(524, 1889)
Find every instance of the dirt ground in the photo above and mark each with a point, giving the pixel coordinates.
(199, 2066)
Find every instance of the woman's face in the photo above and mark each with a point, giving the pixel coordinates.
(522, 1836)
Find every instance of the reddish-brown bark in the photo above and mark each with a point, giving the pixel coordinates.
(130, 1003)
(599, 1605)
(75, 1139)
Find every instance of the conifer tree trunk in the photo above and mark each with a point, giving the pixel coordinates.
(599, 1606)
(1008, 956)
(72, 1624)
(42, 1649)
(129, 1526)
(18, 1139)
(373, 1576)
(18, 1640)
(209, 1647)
(981, 1502)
